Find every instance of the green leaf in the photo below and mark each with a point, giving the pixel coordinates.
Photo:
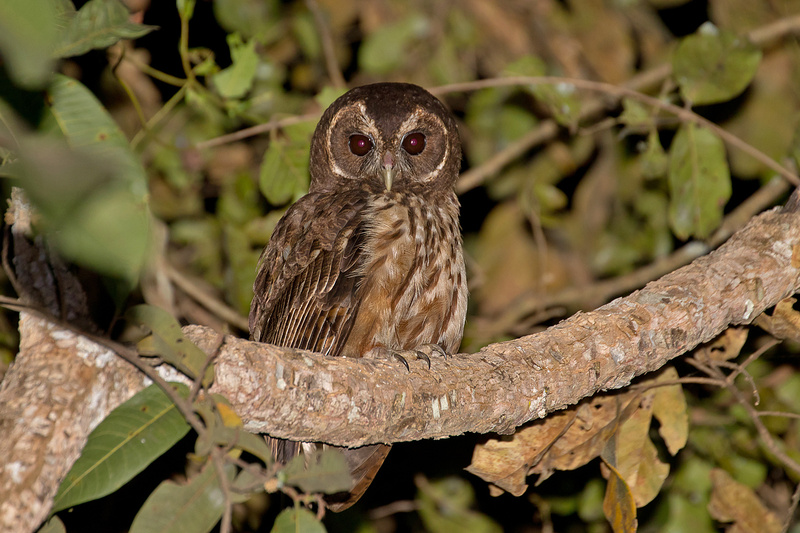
(193, 507)
(307, 35)
(122, 445)
(284, 170)
(328, 473)
(85, 123)
(296, 520)
(168, 342)
(386, 49)
(328, 95)
(560, 98)
(236, 80)
(444, 506)
(635, 114)
(98, 24)
(240, 438)
(28, 33)
(699, 182)
(92, 194)
(713, 66)
(654, 159)
(185, 9)
(243, 260)
(253, 19)
(54, 525)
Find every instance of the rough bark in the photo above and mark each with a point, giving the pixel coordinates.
(62, 384)
(58, 389)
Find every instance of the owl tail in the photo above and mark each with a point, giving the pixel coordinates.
(363, 464)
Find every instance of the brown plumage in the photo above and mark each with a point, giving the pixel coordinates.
(369, 261)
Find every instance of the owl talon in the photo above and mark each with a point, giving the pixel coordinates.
(396, 355)
(424, 357)
(438, 349)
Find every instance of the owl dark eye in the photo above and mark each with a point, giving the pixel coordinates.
(414, 143)
(360, 145)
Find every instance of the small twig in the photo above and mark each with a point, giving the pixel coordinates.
(160, 114)
(679, 381)
(183, 48)
(252, 131)
(763, 432)
(747, 377)
(400, 506)
(750, 358)
(125, 86)
(787, 522)
(197, 383)
(328, 49)
(784, 414)
(218, 460)
(210, 302)
(155, 73)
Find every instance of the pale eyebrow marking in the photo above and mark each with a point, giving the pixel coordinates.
(369, 126)
(411, 123)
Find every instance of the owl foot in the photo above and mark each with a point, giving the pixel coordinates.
(423, 352)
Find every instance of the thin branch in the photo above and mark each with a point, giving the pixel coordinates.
(400, 506)
(328, 49)
(764, 36)
(158, 117)
(787, 522)
(209, 301)
(684, 114)
(763, 432)
(784, 414)
(739, 369)
(218, 461)
(252, 131)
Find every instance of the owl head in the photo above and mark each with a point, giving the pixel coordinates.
(385, 136)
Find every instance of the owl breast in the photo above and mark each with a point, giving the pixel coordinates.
(414, 289)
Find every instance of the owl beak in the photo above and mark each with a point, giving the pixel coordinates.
(388, 170)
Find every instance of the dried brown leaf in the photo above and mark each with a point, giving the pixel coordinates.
(734, 502)
(784, 323)
(505, 461)
(725, 347)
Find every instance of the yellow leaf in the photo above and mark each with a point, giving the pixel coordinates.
(636, 458)
(229, 416)
(618, 504)
(669, 408)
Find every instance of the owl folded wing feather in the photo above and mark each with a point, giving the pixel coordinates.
(308, 276)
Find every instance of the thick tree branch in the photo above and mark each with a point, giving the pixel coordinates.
(299, 395)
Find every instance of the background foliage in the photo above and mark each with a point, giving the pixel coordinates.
(572, 192)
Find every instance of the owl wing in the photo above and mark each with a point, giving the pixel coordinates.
(308, 275)
(306, 297)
